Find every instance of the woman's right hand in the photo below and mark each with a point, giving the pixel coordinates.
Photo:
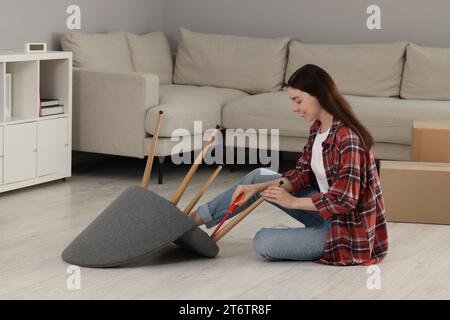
(249, 189)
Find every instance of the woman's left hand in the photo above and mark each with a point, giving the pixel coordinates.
(279, 196)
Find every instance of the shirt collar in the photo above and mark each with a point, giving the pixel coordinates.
(334, 128)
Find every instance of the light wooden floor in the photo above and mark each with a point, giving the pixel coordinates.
(37, 223)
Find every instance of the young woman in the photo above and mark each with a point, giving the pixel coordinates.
(334, 190)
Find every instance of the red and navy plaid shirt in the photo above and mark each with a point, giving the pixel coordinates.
(354, 201)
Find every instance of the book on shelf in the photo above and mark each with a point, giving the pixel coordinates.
(54, 106)
(49, 102)
(51, 111)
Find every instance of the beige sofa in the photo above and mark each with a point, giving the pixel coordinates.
(122, 80)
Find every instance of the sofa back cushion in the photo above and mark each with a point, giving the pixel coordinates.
(151, 53)
(249, 64)
(357, 69)
(101, 51)
(427, 73)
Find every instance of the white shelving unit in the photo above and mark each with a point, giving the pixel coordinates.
(34, 149)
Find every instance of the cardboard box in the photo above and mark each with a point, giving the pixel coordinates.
(416, 192)
(431, 141)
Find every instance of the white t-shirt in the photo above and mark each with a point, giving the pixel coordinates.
(317, 161)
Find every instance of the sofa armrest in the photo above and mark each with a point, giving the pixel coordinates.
(109, 110)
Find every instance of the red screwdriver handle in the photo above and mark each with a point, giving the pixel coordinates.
(230, 211)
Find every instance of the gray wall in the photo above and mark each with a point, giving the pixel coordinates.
(44, 20)
(313, 21)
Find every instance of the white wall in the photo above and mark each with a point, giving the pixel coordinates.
(44, 20)
(313, 21)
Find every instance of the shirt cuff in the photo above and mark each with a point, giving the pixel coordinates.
(318, 201)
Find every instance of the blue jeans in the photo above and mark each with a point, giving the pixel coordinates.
(305, 244)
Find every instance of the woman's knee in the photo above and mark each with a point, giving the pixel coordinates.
(261, 244)
(262, 175)
(251, 177)
(267, 243)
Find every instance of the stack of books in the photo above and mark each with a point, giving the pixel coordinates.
(50, 107)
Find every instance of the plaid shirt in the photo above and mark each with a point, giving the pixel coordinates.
(354, 200)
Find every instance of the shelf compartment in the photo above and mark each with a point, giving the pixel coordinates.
(24, 89)
(54, 81)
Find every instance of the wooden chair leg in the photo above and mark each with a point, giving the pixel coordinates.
(183, 185)
(202, 190)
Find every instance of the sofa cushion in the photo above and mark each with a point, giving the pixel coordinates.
(388, 119)
(252, 65)
(100, 51)
(151, 53)
(182, 105)
(357, 69)
(427, 73)
(272, 110)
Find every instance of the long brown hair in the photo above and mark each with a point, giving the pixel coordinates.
(318, 83)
